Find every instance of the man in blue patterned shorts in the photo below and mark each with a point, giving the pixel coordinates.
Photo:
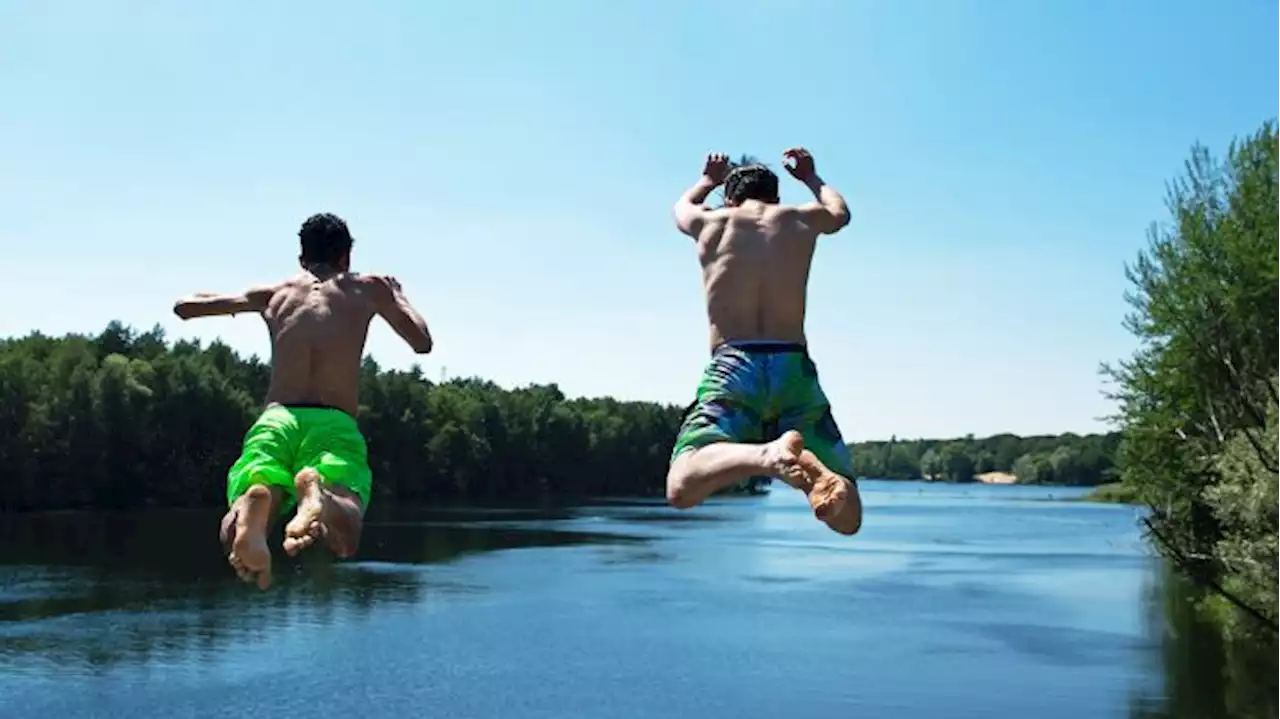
(760, 410)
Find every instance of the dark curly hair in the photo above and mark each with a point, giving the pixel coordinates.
(750, 180)
(325, 239)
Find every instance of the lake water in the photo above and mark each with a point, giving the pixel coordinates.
(954, 601)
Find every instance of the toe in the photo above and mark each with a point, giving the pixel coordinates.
(294, 545)
(302, 542)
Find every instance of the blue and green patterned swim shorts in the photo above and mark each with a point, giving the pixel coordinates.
(752, 392)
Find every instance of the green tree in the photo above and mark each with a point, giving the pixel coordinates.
(1033, 469)
(1197, 399)
(957, 466)
(125, 419)
(932, 465)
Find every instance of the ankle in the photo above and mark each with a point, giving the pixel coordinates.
(763, 460)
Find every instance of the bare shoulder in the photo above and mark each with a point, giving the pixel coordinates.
(792, 217)
(262, 293)
(380, 288)
(786, 212)
(376, 281)
(714, 219)
(785, 216)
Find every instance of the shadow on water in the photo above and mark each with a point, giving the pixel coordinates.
(99, 589)
(1204, 675)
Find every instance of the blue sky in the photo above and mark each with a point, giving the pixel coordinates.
(515, 169)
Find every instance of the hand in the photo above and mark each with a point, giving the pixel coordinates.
(799, 163)
(716, 168)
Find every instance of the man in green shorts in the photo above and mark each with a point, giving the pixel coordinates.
(760, 410)
(305, 451)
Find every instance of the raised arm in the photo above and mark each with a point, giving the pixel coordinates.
(394, 307)
(690, 213)
(829, 213)
(210, 304)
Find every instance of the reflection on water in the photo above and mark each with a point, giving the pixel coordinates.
(69, 580)
(1203, 675)
(954, 601)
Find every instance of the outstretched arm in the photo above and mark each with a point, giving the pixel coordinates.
(829, 213)
(690, 213)
(210, 304)
(394, 307)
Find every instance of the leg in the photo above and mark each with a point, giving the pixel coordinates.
(699, 473)
(332, 513)
(258, 489)
(333, 485)
(835, 499)
(827, 463)
(717, 443)
(244, 533)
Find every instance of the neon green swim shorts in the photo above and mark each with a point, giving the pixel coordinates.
(287, 439)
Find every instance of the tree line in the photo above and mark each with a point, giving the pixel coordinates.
(1046, 459)
(1198, 398)
(125, 419)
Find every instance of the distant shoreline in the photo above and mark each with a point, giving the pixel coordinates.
(991, 478)
(1112, 493)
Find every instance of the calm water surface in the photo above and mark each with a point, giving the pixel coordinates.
(954, 602)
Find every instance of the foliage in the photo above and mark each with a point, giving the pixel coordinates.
(1198, 398)
(126, 420)
(1062, 459)
(1112, 493)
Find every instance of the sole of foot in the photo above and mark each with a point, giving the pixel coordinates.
(309, 523)
(829, 495)
(250, 556)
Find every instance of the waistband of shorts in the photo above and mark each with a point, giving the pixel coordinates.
(761, 347)
(309, 405)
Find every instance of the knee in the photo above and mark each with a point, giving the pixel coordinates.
(678, 493)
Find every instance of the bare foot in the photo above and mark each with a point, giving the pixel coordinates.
(331, 514)
(781, 457)
(830, 496)
(308, 524)
(247, 535)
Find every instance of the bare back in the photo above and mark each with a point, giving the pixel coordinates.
(755, 272)
(318, 329)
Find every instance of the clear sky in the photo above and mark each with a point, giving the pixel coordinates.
(515, 168)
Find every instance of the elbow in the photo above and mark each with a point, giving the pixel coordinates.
(839, 219)
(678, 216)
